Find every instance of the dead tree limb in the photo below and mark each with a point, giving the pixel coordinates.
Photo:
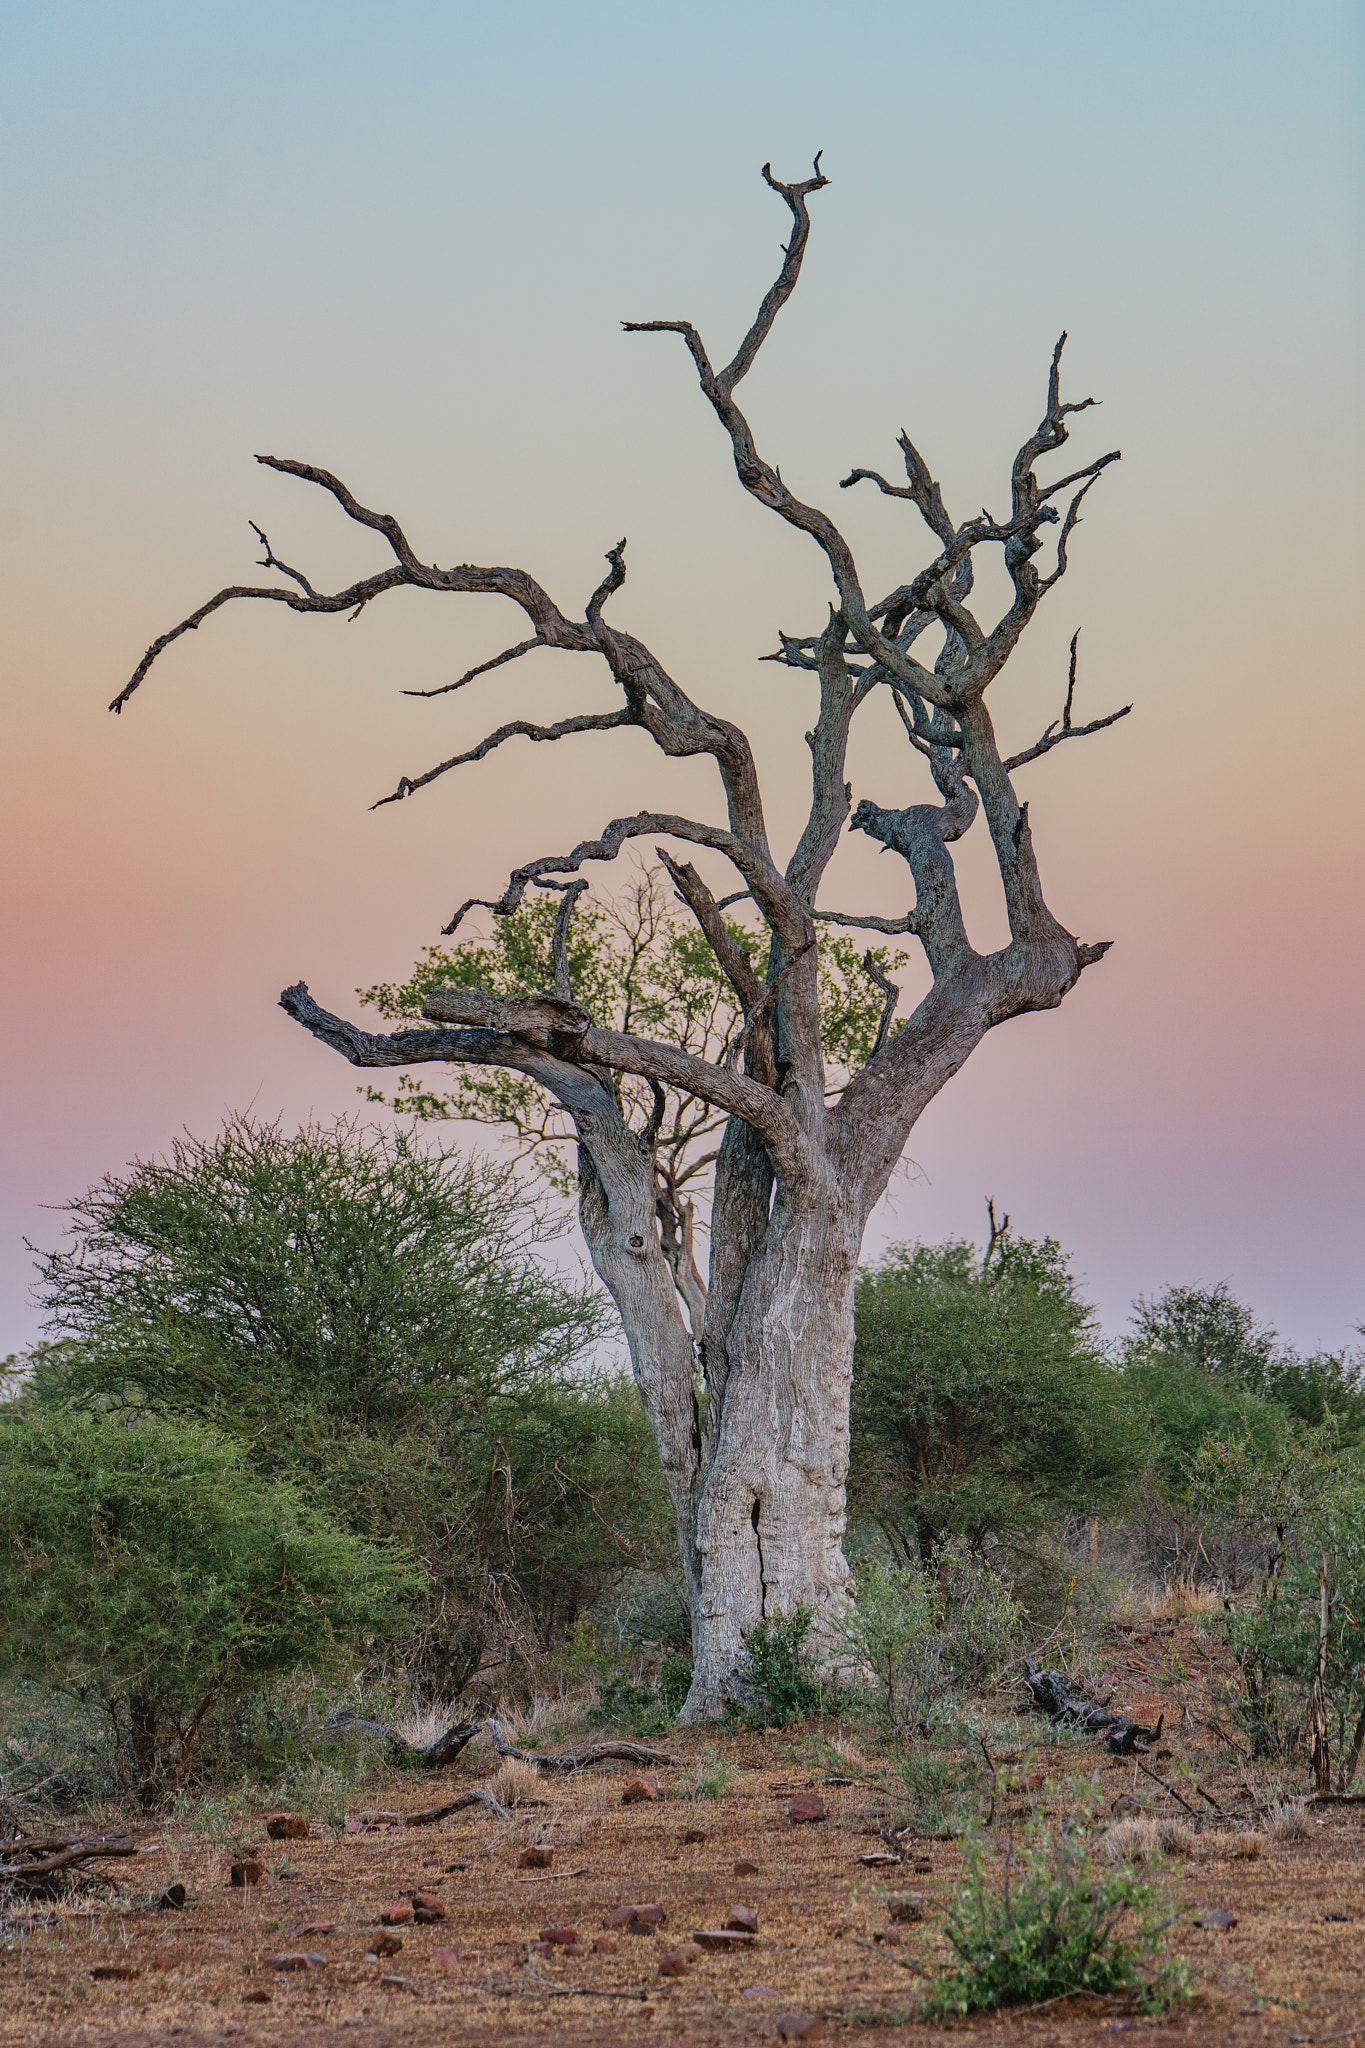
(581, 1759)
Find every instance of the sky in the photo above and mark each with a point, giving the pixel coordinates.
(398, 241)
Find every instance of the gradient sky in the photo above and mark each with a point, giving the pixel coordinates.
(398, 240)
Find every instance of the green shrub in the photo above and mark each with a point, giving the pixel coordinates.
(926, 1631)
(148, 1570)
(1052, 1925)
(629, 1704)
(777, 1672)
(675, 1682)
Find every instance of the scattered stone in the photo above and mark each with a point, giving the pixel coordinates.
(315, 1927)
(445, 1959)
(395, 1916)
(563, 1936)
(695, 1835)
(757, 1991)
(287, 1827)
(723, 1937)
(257, 1998)
(298, 1959)
(638, 1789)
(103, 1972)
(540, 1948)
(806, 1807)
(386, 1945)
(246, 1871)
(604, 1946)
(394, 1984)
(1216, 1917)
(425, 1918)
(907, 1907)
(680, 1960)
(173, 1897)
(742, 1920)
(1034, 1782)
(743, 1869)
(428, 1903)
(535, 1859)
(921, 1862)
(794, 2026)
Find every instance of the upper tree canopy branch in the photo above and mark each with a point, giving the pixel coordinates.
(1054, 735)
(776, 905)
(586, 721)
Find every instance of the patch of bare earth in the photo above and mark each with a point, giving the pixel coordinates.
(1289, 1966)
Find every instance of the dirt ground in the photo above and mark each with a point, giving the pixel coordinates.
(1290, 1969)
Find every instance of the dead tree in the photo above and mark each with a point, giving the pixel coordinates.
(751, 1417)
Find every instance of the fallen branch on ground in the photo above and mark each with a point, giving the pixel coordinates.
(1050, 1692)
(580, 1759)
(65, 1854)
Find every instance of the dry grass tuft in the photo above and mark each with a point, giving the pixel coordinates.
(422, 1725)
(1287, 1821)
(1139, 1841)
(1181, 1599)
(517, 1784)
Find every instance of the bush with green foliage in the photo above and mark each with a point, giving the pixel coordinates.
(370, 1313)
(982, 1400)
(777, 1674)
(1053, 1925)
(150, 1570)
(925, 1631)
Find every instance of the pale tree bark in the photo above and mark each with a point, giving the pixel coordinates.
(745, 1373)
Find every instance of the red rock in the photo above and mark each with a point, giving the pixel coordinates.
(1216, 1917)
(246, 1871)
(1034, 1782)
(257, 1998)
(428, 1903)
(807, 1806)
(535, 1859)
(287, 1827)
(679, 1960)
(908, 1907)
(423, 1918)
(794, 2026)
(743, 1869)
(298, 1959)
(563, 1936)
(638, 1789)
(315, 1927)
(695, 1835)
(445, 1959)
(604, 1945)
(723, 1937)
(742, 1920)
(103, 1972)
(386, 1945)
(395, 1916)
(921, 1863)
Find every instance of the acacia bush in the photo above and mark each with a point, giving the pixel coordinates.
(374, 1317)
(924, 1632)
(148, 1570)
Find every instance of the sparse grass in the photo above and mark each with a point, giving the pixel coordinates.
(714, 1775)
(1287, 1821)
(1181, 1600)
(1142, 1841)
(518, 1784)
(420, 1726)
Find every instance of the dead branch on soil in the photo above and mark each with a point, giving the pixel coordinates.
(580, 1759)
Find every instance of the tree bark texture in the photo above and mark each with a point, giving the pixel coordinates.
(745, 1374)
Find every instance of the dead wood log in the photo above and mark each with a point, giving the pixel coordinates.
(431, 1756)
(86, 1849)
(375, 1818)
(1051, 1693)
(580, 1759)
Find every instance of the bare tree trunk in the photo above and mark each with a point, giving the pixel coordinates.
(1322, 1755)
